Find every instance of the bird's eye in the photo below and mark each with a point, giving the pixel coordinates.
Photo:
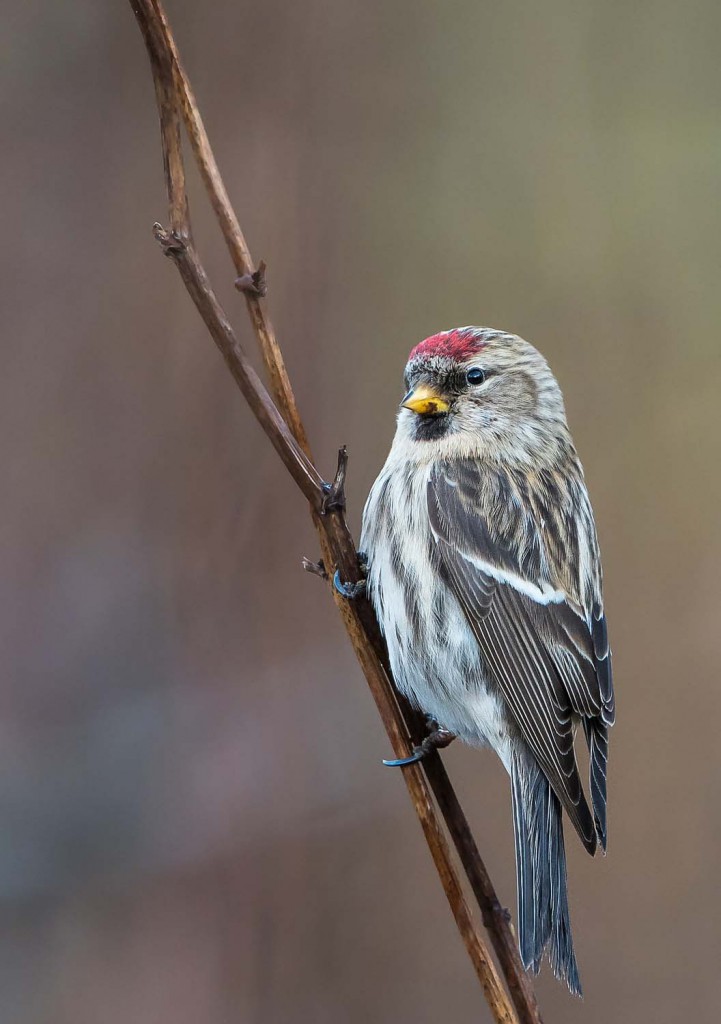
(475, 375)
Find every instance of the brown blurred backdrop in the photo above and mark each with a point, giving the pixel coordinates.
(194, 823)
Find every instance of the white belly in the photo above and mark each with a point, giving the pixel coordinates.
(434, 656)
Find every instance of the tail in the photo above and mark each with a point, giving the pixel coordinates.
(543, 919)
(597, 739)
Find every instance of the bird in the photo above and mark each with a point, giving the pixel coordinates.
(484, 570)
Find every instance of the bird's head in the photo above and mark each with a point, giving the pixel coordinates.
(483, 392)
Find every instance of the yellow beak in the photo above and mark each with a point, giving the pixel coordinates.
(425, 401)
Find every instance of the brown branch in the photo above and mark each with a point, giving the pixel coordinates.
(286, 432)
(235, 240)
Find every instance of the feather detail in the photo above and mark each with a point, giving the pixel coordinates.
(539, 624)
(544, 922)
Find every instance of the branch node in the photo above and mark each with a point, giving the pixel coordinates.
(334, 494)
(254, 283)
(172, 244)
(500, 911)
(317, 568)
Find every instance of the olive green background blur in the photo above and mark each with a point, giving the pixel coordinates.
(194, 822)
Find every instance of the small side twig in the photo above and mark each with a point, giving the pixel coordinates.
(334, 494)
(253, 283)
(316, 568)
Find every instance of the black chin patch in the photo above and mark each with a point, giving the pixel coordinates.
(430, 428)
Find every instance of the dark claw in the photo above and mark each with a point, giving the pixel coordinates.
(363, 562)
(418, 754)
(351, 591)
(436, 740)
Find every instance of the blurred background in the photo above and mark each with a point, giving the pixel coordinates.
(194, 822)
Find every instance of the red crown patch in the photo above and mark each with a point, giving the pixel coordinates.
(457, 344)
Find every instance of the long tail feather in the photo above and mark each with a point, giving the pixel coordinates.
(543, 918)
(597, 739)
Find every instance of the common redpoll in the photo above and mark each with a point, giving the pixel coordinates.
(484, 571)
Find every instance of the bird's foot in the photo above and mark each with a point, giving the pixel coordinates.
(351, 591)
(437, 739)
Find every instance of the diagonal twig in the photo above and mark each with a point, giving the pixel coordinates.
(285, 430)
(234, 238)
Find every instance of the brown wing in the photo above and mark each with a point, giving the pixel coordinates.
(547, 655)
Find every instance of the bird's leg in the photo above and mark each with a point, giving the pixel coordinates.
(353, 590)
(437, 739)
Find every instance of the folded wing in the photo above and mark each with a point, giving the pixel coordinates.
(543, 641)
